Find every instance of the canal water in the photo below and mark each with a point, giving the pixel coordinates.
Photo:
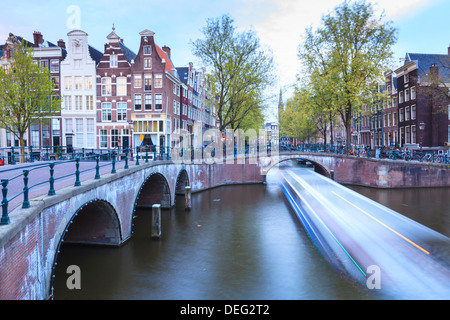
(237, 242)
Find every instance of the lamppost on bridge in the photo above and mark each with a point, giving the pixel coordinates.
(422, 129)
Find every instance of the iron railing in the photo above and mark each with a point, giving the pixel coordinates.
(102, 158)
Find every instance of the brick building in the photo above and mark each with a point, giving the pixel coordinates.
(41, 132)
(156, 94)
(114, 101)
(390, 112)
(423, 98)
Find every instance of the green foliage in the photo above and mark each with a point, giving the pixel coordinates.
(239, 70)
(25, 93)
(296, 120)
(345, 58)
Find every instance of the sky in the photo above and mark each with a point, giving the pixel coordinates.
(279, 24)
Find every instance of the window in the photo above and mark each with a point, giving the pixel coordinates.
(106, 111)
(44, 63)
(89, 103)
(407, 95)
(90, 133)
(34, 134)
(56, 82)
(147, 50)
(158, 80)
(413, 134)
(113, 61)
(114, 138)
(79, 125)
(148, 102)
(407, 113)
(68, 83)
(158, 102)
(413, 112)
(137, 81)
(54, 65)
(400, 97)
(76, 48)
(106, 86)
(148, 82)
(121, 111)
(56, 126)
(137, 102)
(401, 115)
(88, 82)
(69, 127)
(406, 78)
(394, 119)
(413, 93)
(448, 133)
(402, 135)
(79, 133)
(78, 103)
(103, 138)
(147, 63)
(121, 86)
(77, 63)
(78, 83)
(408, 135)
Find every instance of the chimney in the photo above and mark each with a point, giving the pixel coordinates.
(434, 71)
(166, 50)
(449, 50)
(61, 43)
(38, 38)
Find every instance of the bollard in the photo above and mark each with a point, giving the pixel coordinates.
(156, 221)
(5, 217)
(187, 197)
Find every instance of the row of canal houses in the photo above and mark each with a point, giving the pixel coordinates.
(116, 98)
(415, 113)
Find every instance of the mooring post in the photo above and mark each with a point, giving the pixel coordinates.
(156, 221)
(332, 174)
(187, 197)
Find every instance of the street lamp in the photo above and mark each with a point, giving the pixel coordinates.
(421, 128)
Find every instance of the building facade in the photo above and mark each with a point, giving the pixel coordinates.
(42, 132)
(114, 103)
(78, 89)
(156, 94)
(423, 98)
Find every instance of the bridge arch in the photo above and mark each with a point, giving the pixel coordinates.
(95, 222)
(319, 166)
(181, 182)
(154, 190)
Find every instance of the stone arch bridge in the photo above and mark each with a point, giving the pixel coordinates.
(101, 211)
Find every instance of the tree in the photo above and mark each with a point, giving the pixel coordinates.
(239, 70)
(351, 47)
(296, 120)
(25, 93)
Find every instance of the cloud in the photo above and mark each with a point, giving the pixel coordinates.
(403, 9)
(285, 22)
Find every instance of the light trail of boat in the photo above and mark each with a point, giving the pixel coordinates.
(357, 236)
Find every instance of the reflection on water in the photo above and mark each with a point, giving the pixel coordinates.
(237, 242)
